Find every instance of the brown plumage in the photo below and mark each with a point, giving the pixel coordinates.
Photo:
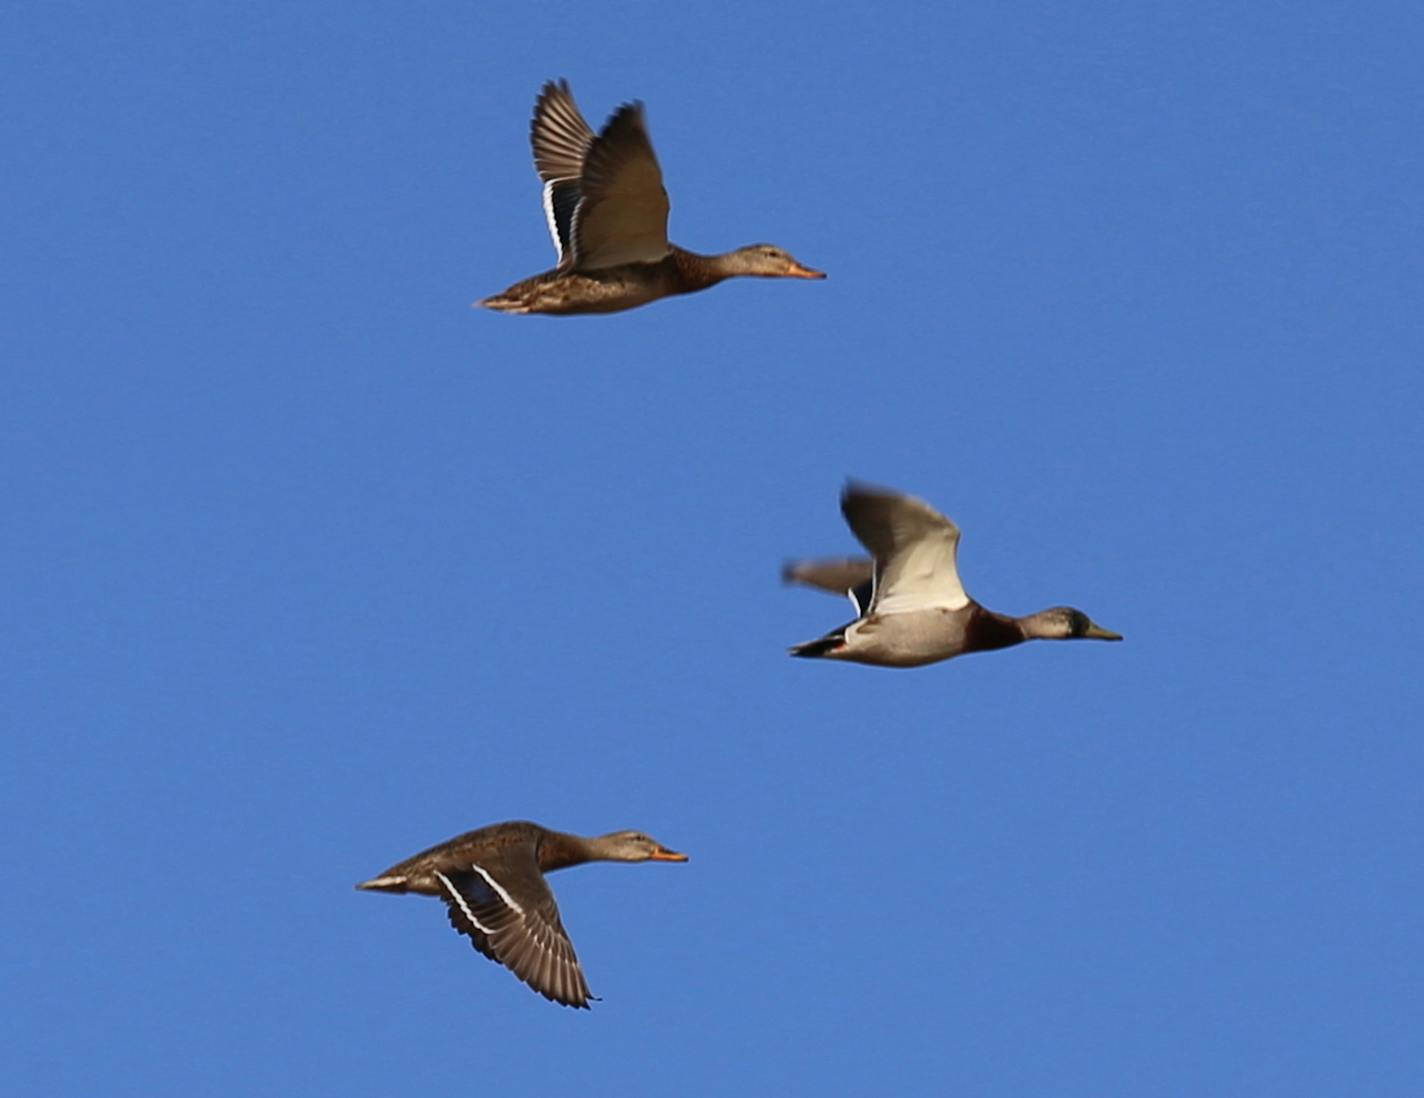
(492, 883)
(607, 212)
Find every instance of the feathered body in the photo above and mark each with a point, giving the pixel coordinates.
(607, 212)
(492, 882)
(911, 607)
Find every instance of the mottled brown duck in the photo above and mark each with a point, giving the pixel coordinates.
(607, 213)
(492, 882)
(911, 608)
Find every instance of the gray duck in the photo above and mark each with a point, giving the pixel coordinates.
(911, 608)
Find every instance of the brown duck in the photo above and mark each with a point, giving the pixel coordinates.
(608, 212)
(492, 881)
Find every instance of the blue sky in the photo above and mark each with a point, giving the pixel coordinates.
(308, 565)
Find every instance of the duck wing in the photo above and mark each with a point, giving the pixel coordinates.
(506, 908)
(914, 547)
(853, 577)
(622, 212)
(561, 139)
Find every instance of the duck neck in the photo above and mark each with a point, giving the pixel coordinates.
(987, 631)
(559, 850)
(697, 272)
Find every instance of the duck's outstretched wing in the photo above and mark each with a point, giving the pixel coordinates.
(853, 577)
(509, 913)
(914, 547)
(622, 212)
(560, 138)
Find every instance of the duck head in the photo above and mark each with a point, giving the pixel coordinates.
(634, 846)
(766, 261)
(1065, 623)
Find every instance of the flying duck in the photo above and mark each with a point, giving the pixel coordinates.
(607, 212)
(492, 881)
(911, 608)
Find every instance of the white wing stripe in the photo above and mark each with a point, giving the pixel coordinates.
(549, 216)
(503, 895)
(549, 213)
(460, 900)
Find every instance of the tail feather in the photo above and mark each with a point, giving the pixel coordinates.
(386, 884)
(818, 648)
(503, 304)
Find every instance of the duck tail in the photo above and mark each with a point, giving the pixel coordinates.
(819, 648)
(389, 883)
(502, 303)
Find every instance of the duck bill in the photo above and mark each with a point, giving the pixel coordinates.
(1097, 632)
(663, 854)
(796, 270)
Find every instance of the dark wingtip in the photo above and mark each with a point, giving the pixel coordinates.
(854, 486)
(849, 490)
(855, 491)
(627, 115)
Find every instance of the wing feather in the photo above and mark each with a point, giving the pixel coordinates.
(850, 576)
(560, 139)
(509, 913)
(914, 547)
(558, 133)
(623, 209)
